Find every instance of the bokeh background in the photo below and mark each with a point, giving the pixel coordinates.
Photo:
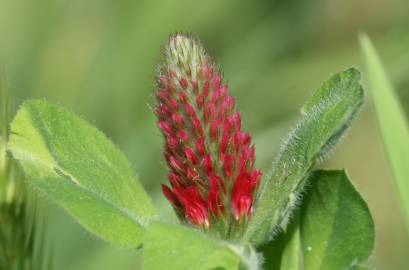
(98, 57)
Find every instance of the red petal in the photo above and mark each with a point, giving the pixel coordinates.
(178, 119)
(190, 155)
(216, 82)
(183, 97)
(172, 142)
(176, 165)
(183, 83)
(206, 87)
(228, 163)
(165, 127)
(200, 147)
(184, 137)
(208, 164)
(242, 198)
(169, 195)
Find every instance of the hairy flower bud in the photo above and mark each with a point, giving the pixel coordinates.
(213, 179)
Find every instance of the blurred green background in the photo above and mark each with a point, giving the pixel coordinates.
(99, 58)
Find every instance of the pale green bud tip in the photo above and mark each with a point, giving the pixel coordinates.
(185, 55)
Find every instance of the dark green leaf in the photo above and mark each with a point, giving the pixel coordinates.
(335, 230)
(285, 251)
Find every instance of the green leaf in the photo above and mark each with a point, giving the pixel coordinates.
(75, 165)
(291, 258)
(334, 230)
(391, 120)
(285, 252)
(325, 118)
(337, 231)
(174, 247)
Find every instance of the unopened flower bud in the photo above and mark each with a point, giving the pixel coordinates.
(211, 161)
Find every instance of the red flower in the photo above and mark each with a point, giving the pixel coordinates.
(211, 160)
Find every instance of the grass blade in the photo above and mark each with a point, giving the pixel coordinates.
(391, 120)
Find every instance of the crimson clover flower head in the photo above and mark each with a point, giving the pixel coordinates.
(213, 182)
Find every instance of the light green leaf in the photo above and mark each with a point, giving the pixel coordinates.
(337, 231)
(325, 118)
(81, 170)
(174, 247)
(391, 120)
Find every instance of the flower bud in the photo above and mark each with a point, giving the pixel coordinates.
(211, 160)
